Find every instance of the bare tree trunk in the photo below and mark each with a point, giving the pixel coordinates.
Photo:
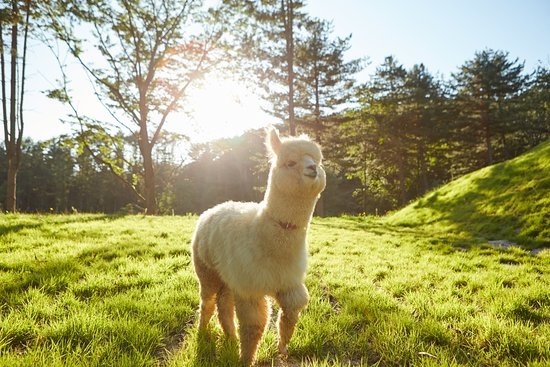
(146, 150)
(487, 131)
(150, 191)
(423, 170)
(401, 175)
(11, 140)
(11, 187)
(13, 128)
(288, 15)
(486, 123)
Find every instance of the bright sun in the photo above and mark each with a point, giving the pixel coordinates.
(224, 108)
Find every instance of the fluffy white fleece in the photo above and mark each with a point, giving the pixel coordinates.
(253, 250)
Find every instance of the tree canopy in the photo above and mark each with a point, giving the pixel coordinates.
(399, 134)
(144, 57)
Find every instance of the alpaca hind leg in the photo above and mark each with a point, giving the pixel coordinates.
(291, 302)
(207, 308)
(226, 311)
(252, 314)
(210, 284)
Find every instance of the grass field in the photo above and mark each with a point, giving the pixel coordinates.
(91, 290)
(420, 287)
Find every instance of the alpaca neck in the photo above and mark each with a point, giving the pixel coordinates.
(290, 211)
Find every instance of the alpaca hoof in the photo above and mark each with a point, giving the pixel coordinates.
(283, 350)
(246, 362)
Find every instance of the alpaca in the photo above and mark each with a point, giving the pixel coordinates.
(245, 252)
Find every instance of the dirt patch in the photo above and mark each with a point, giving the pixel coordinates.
(173, 343)
(501, 243)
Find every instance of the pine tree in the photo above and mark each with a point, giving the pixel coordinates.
(325, 81)
(267, 32)
(535, 110)
(484, 87)
(425, 126)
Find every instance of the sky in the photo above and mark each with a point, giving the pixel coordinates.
(441, 34)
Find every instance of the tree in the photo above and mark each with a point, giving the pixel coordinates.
(393, 143)
(267, 34)
(13, 14)
(426, 128)
(535, 110)
(150, 52)
(324, 79)
(485, 86)
(386, 107)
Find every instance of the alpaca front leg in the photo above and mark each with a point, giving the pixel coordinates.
(291, 303)
(252, 314)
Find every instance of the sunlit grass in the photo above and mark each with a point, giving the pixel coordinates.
(92, 290)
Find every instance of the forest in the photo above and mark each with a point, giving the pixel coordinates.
(386, 141)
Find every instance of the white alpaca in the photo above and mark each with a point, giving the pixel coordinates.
(243, 252)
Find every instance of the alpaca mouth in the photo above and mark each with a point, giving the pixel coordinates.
(311, 174)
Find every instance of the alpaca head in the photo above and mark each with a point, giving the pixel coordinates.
(295, 165)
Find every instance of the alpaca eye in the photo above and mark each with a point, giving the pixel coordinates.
(290, 164)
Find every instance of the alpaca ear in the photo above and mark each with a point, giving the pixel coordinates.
(272, 141)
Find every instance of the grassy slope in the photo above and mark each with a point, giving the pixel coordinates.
(94, 290)
(508, 201)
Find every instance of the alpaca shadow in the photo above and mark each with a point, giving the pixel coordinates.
(210, 350)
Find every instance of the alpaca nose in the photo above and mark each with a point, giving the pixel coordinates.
(310, 167)
(311, 170)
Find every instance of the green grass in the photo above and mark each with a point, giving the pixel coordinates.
(422, 287)
(92, 290)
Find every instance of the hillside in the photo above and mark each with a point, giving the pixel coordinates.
(508, 202)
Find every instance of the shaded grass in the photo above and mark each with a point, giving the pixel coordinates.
(91, 290)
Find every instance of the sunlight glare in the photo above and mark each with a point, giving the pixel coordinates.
(223, 108)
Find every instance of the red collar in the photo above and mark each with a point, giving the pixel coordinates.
(287, 225)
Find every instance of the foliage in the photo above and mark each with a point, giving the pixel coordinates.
(486, 88)
(394, 140)
(231, 169)
(149, 54)
(387, 142)
(302, 70)
(324, 79)
(534, 110)
(412, 132)
(267, 33)
(55, 178)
